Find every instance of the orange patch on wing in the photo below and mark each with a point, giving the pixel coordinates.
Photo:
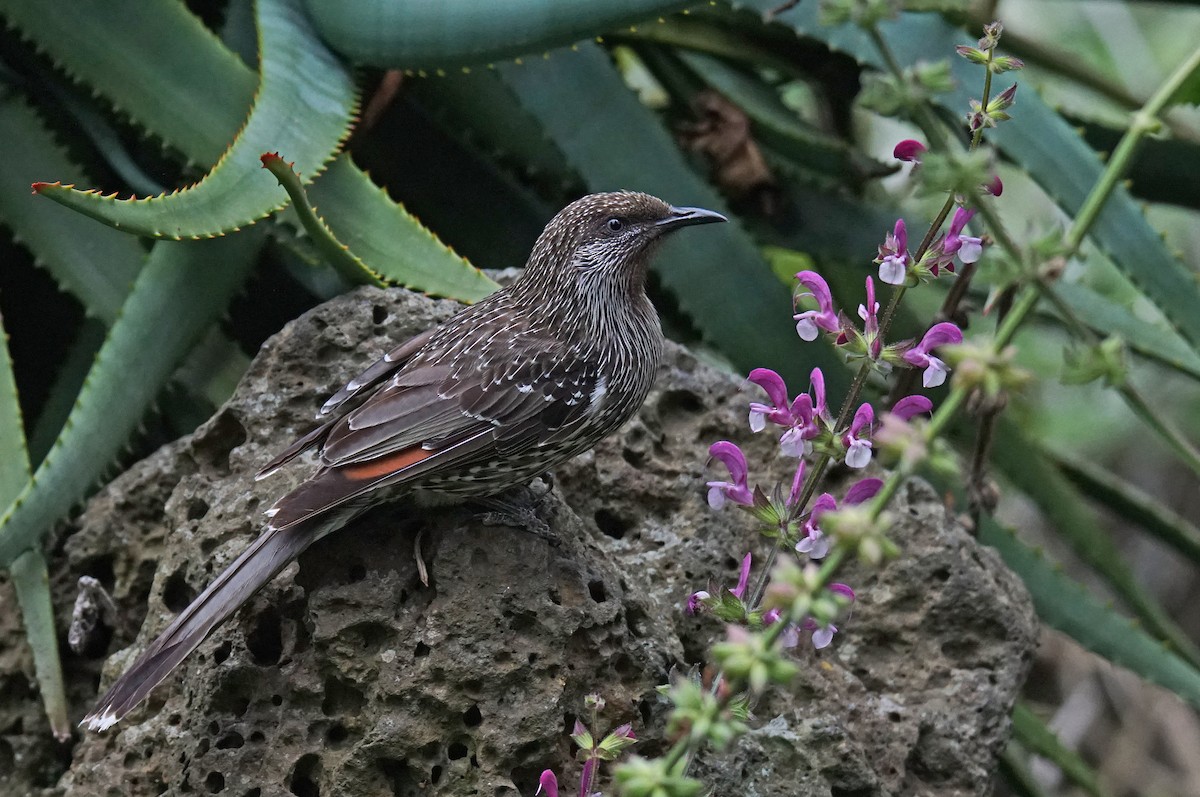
(383, 466)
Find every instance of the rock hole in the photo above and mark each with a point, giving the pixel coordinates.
(456, 750)
(257, 737)
(399, 776)
(336, 734)
(596, 590)
(276, 700)
(265, 640)
(214, 782)
(435, 775)
(533, 657)
(230, 741)
(341, 699)
(474, 762)
(472, 717)
(942, 574)
(421, 650)
(370, 636)
(379, 314)
(303, 781)
(176, 593)
(358, 571)
(214, 728)
(222, 652)
(555, 597)
(196, 509)
(255, 792)
(214, 441)
(610, 524)
(101, 569)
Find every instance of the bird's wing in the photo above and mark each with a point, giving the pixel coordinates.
(342, 400)
(432, 417)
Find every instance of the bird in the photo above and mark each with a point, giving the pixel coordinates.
(500, 393)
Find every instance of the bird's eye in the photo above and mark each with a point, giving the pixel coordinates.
(615, 224)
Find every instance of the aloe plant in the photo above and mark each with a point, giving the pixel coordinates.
(503, 113)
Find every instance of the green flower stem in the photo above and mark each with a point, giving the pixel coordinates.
(1143, 122)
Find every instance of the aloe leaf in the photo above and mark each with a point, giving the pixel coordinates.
(28, 571)
(393, 244)
(304, 105)
(333, 251)
(433, 35)
(720, 279)
(14, 460)
(68, 381)
(1035, 736)
(1014, 770)
(195, 99)
(1068, 607)
(1019, 460)
(1130, 504)
(1155, 174)
(32, 582)
(97, 265)
(1107, 317)
(181, 291)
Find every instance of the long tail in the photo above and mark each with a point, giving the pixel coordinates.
(257, 565)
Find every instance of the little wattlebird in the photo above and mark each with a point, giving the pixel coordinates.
(527, 378)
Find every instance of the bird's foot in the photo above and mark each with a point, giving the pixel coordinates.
(518, 508)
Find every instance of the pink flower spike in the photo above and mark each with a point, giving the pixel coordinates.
(967, 247)
(862, 490)
(909, 150)
(841, 589)
(797, 484)
(822, 637)
(811, 322)
(777, 411)
(817, 381)
(994, 186)
(743, 578)
(815, 543)
(907, 407)
(586, 775)
(935, 369)
(893, 256)
(695, 601)
(772, 617)
(549, 783)
(736, 490)
(858, 447)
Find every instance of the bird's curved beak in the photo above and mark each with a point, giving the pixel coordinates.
(686, 217)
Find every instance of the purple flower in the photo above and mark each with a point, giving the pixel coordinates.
(736, 490)
(893, 256)
(822, 637)
(811, 322)
(743, 578)
(815, 543)
(919, 356)
(549, 783)
(968, 247)
(798, 418)
(994, 186)
(695, 601)
(907, 407)
(862, 490)
(777, 412)
(586, 775)
(842, 589)
(869, 313)
(909, 150)
(797, 484)
(857, 438)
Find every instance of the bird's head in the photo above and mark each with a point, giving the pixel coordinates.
(607, 239)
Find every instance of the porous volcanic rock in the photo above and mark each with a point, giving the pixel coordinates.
(348, 675)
